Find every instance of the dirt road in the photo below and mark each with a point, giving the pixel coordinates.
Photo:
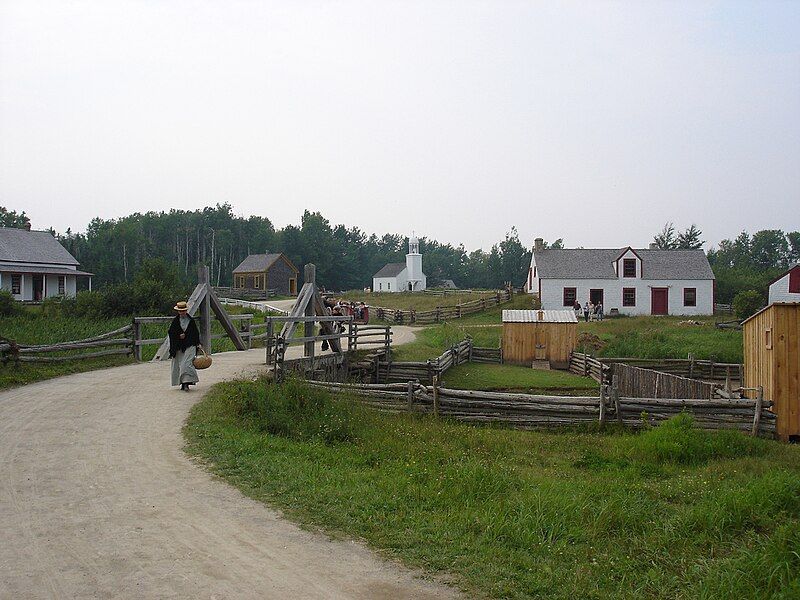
(98, 500)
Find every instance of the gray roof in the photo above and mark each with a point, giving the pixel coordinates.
(21, 245)
(12, 268)
(256, 263)
(598, 263)
(391, 270)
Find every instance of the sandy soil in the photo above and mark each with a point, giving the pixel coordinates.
(98, 500)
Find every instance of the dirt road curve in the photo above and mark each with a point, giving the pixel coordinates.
(98, 500)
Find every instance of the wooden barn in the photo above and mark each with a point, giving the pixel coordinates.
(540, 338)
(262, 272)
(772, 360)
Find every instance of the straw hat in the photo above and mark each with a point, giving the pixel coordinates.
(181, 306)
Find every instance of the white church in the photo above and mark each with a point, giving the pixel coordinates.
(402, 277)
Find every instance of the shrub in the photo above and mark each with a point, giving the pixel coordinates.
(747, 303)
(8, 306)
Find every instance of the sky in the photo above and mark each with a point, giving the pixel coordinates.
(596, 122)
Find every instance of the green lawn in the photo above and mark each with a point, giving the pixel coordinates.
(477, 376)
(413, 300)
(672, 513)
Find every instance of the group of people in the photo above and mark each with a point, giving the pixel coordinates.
(344, 307)
(590, 310)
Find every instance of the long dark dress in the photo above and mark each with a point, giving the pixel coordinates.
(183, 351)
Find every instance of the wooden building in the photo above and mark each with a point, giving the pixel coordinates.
(539, 337)
(772, 360)
(263, 272)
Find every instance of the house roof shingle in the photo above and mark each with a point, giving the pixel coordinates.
(21, 245)
(256, 263)
(598, 263)
(391, 270)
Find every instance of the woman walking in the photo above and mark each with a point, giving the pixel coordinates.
(184, 340)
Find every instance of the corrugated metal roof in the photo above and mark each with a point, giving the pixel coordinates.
(539, 316)
(21, 245)
(391, 270)
(598, 263)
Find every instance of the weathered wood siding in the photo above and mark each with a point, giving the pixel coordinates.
(520, 341)
(279, 276)
(772, 360)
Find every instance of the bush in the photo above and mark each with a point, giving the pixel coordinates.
(143, 297)
(747, 303)
(8, 306)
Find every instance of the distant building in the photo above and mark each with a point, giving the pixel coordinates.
(632, 281)
(402, 277)
(34, 265)
(266, 272)
(786, 288)
(449, 284)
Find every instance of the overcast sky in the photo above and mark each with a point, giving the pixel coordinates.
(592, 121)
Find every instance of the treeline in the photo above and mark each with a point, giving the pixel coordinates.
(751, 262)
(346, 258)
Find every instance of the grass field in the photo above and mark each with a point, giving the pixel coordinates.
(671, 513)
(414, 300)
(477, 376)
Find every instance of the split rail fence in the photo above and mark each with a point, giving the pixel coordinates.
(442, 313)
(113, 343)
(527, 411)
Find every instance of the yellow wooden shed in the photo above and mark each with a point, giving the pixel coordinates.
(539, 337)
(772, 360)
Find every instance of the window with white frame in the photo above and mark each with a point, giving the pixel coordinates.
(16, 284)
(62, 281)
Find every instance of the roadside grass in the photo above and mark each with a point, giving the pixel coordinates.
(480, 376)
(670, 513)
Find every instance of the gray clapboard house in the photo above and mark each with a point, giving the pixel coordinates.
(34, 265)
(266, 272)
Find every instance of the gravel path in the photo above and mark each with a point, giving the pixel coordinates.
(98, 500)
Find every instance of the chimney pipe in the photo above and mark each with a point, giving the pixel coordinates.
(538, 244)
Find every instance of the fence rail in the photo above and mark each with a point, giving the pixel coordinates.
(245, 293)
(533, 411)
(636, 382)
(706, 370)
(21, 353)
(443, 313)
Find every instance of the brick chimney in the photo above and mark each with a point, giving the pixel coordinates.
(538, 244)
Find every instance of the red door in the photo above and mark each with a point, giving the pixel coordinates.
(659, 301)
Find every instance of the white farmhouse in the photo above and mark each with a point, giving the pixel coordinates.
(786, 288)
(34, 265)
(632, 281)
(402, 277)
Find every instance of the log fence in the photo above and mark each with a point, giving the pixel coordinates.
(527, 411)
(69, 351)
(441, 313)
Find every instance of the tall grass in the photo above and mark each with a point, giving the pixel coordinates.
(514, 514)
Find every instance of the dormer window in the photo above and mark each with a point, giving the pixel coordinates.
(629, 267)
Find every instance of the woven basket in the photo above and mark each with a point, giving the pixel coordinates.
(202, 362)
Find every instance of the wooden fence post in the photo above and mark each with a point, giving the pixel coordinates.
(757, 416)
(436, 395)
(603, 392)
(205, 309)
(410, 399)
(615, 397)
(137, 337)
(270, 340)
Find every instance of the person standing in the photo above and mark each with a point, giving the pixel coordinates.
(586, 312)
(184, 341)
(599, 310)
